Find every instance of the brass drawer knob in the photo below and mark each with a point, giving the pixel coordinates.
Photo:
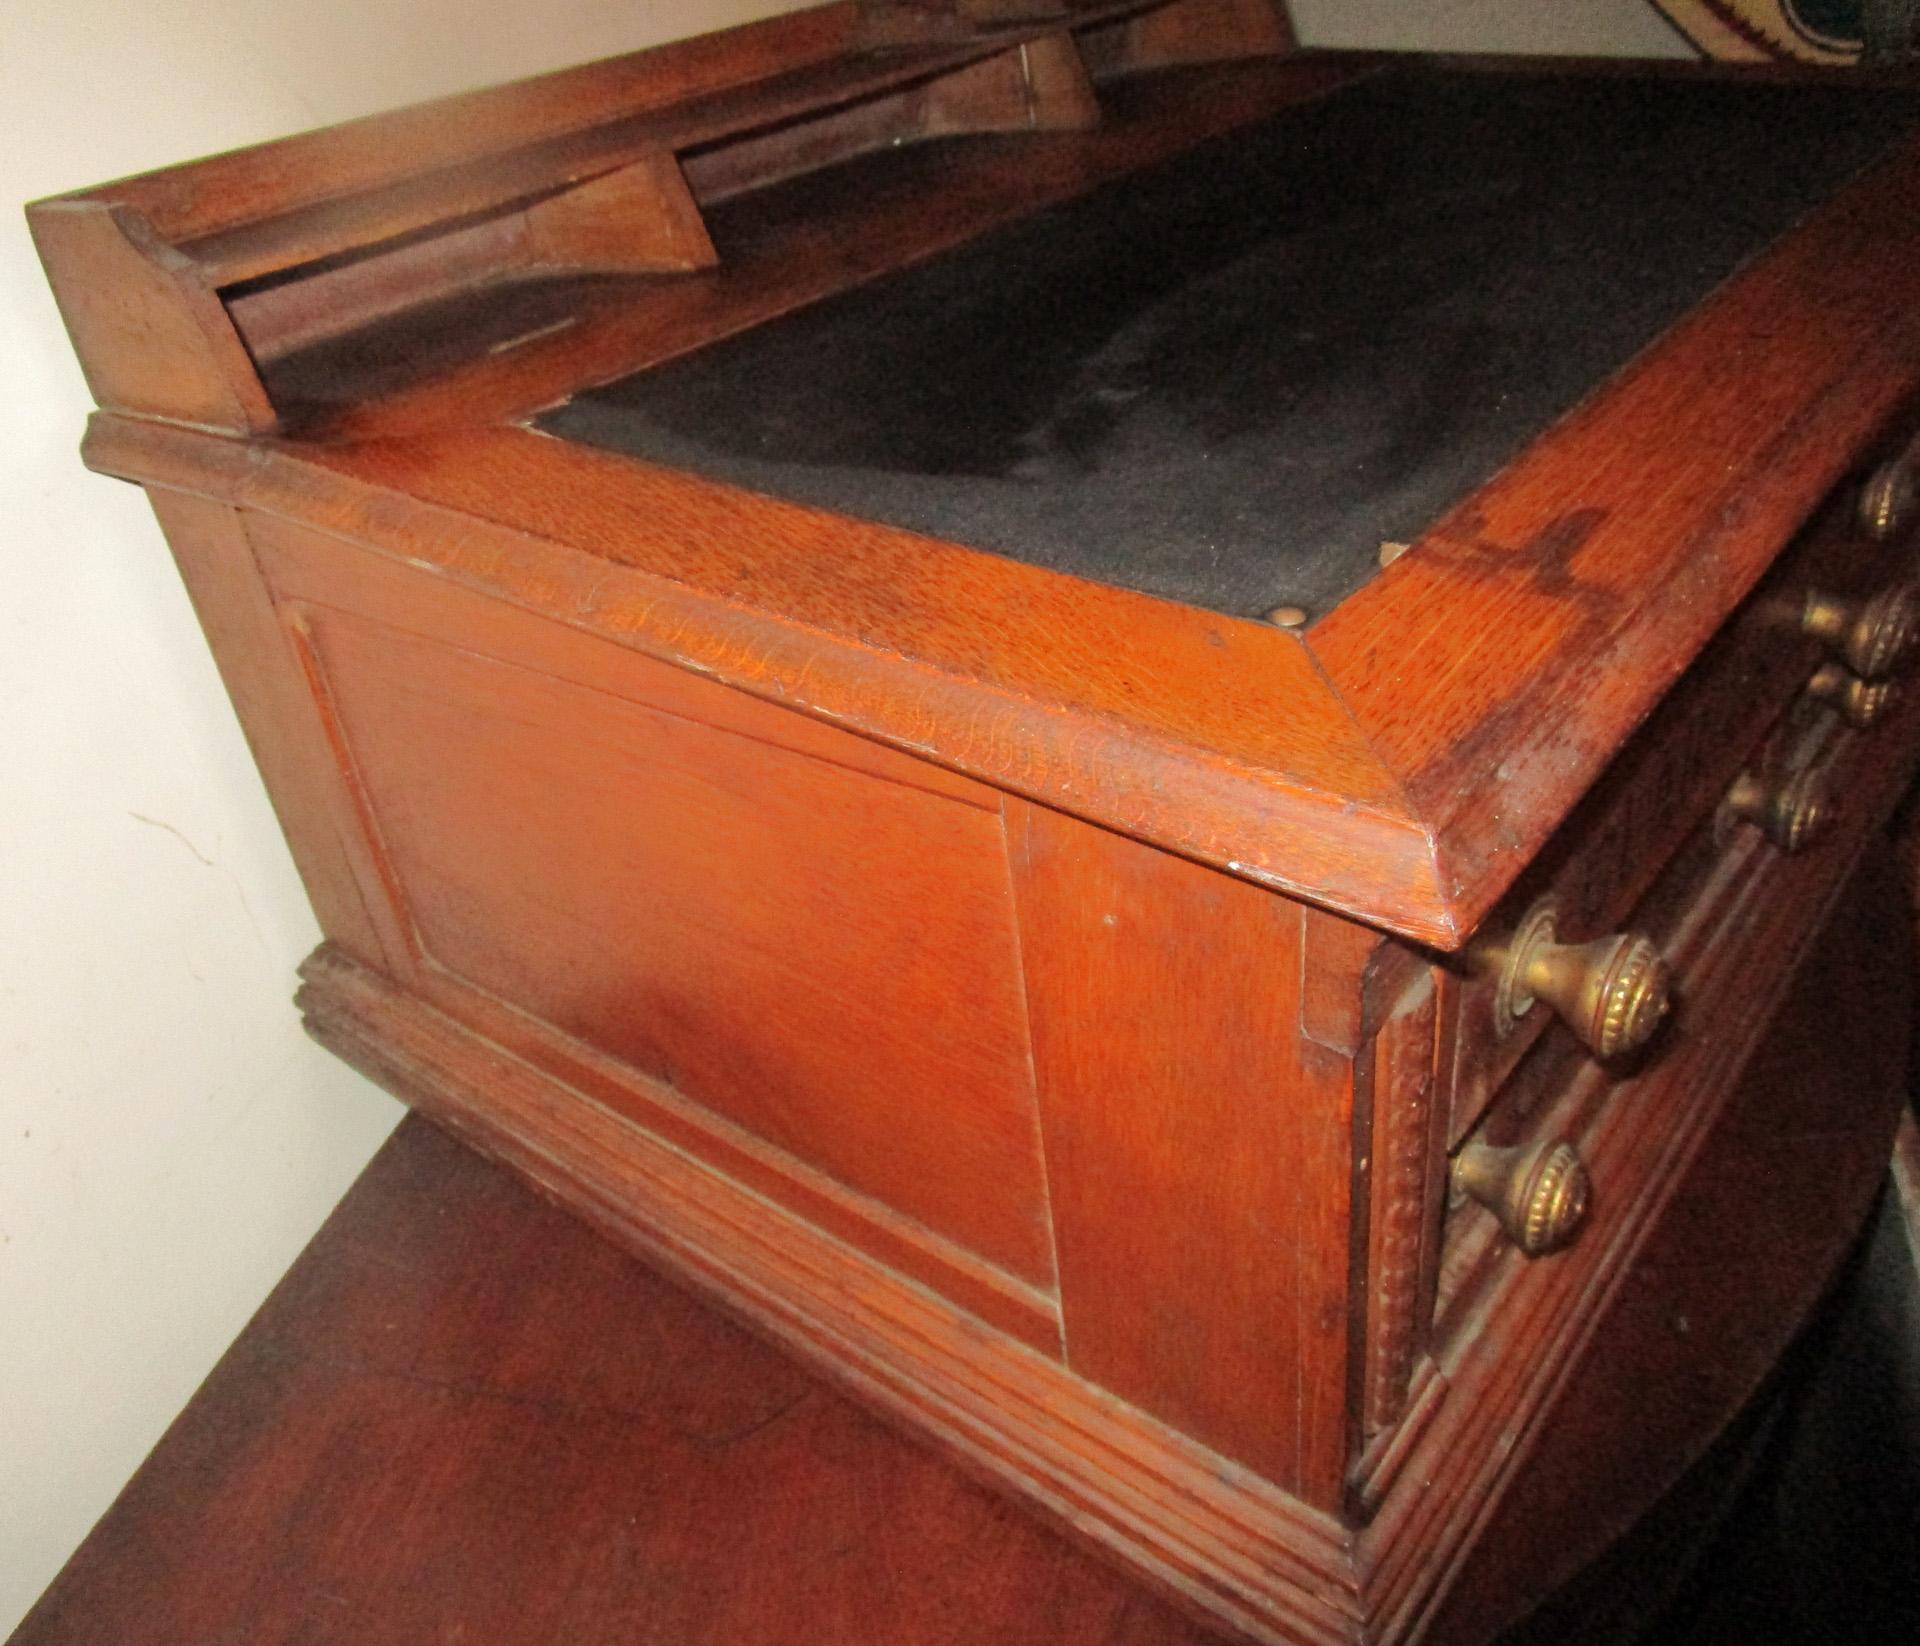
(1792, 811)
(1873, 637)
(1888, 500)
(1858, 702)
(1539, 1194)
(1613, 993)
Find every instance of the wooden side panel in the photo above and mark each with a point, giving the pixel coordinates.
(1218, 1539)
(762, 914)
(824, 957)
(1199, 1148)
(276, 711)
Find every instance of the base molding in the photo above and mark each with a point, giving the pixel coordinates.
(1210, 1534)
(1509, 1469)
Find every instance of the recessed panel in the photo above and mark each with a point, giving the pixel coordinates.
(822, 956)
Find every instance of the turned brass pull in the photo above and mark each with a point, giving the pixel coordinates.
(1791, 811)
(1888, 500)
(1539, 1194)
(1613, 993)
(1858, 702)
(1873, 637)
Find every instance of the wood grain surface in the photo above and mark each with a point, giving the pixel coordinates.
(1749, 1241)
(1196, 1143)
(464, 1417)
(1027, 1000)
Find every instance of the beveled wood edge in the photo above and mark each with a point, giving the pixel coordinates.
(1280, 810)
(1377, 833)
(1210, 1534)
(1555, 734)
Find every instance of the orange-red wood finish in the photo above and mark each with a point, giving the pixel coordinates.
(1179, 1093)
(1049, 1008)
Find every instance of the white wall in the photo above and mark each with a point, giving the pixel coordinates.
(168, 1138)
(1621, 28)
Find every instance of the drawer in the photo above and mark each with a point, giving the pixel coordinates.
(1663, 1320)
(1732, 912)
(1749, 698)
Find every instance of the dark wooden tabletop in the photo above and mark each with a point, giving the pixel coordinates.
(462, 1417)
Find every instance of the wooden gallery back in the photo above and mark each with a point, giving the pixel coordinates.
(1137, 734)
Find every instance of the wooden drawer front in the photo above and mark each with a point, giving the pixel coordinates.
(780, 947)
(1728, 1172)
(1672, 777)
(1667, 1316)
(1733, 913)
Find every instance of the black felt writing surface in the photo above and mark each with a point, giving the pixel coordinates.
(1228, 380)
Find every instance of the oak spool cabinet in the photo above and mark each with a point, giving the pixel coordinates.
(1133, 732)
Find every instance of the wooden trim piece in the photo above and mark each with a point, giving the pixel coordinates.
(1188, 31)
(151, 333)
(1123, 35)
(640, 219)
(1198, 1147)
(1211, 1535)
(1036, 84)
(1060, 93)
(269, 181)
(333, 225)
(1337, 958)
(264, 211)
(1385, 1454)
(887, 224)
(280, 317)
(1212, 737)
(891, 24)
(1499, 664)
(1403, 1245)
(364, 830)
(886, 25)
(305, 569)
